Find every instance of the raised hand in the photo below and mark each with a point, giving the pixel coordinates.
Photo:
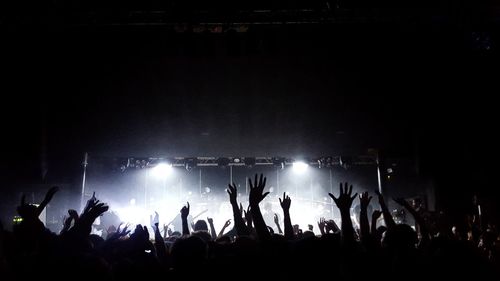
(376, 215)
(276, 219)
(344, 201)
(66, 224)
(93, 209)
(47, 199)
(248, 216)
(140, 239)
(212, 228)
(389, 220)
(154, 220)
(256, 190)
(31, 212)
(310, 227)
(140, 232)
(233, 193)
(165, 230)
(90, 203)
(185, 211)
(285, 204)
(321, 225)
(125, 231)
(239, 223)
(364, 200)
(120, 233)
(255, 197)
(226, 224)
(98, 209)
(74, 214)
(331, 225)
(184, 216)
(50, 193)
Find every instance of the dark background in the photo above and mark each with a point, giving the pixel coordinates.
(416, 82)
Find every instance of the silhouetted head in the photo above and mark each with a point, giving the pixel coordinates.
(400, 238)
(307, 234)
(96, 240)
(201, 225)
(189, 252)
(204, 235)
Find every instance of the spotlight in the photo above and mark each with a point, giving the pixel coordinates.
(300, 167)
(236, 160)
(162, 170)
(207, 189)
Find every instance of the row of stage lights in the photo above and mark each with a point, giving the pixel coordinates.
(163, 169)
(163, 166)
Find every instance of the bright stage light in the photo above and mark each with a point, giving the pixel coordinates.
(133, 215)
(162, 170)
(300, 167)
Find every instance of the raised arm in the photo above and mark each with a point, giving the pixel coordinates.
(248, 218)
(93, 209)
(285, 205)
(212, 228)
(277, 223)
(184, 216)
(159, 244)
(364, 201)
(256, 196)
(226, 224)
(375, 216)
(239, 223)
(47, 199)
(424, 231)
(73, 216)
(389, 220)
(344, 203)
(321, 225)
(30, 213)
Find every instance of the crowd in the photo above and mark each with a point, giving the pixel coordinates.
(251, 249)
